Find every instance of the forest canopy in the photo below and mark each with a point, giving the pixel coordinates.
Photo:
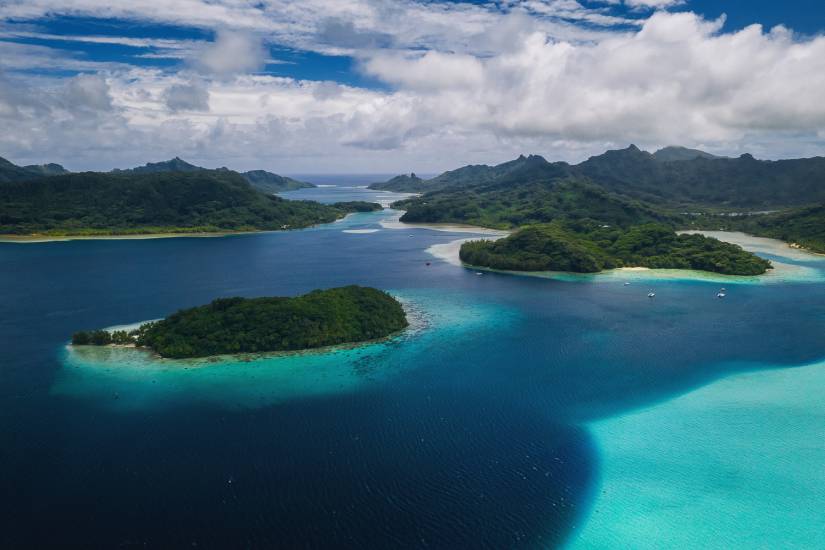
(93, 203)
(589, 247)
(253, 325)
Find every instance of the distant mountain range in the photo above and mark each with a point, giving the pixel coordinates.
(617, 189)
(676, 186)
(260, 179)
(673, 176)
(12, 172)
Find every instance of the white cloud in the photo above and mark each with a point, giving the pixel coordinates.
(340, 26)
(657, 4)
(430, 71)
(188, 96)
(87, 92)
(501, 84)
(232, 52)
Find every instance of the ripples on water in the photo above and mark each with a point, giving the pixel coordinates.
(473, 433)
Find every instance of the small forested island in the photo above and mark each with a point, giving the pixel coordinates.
(585, 246)
(321, 318)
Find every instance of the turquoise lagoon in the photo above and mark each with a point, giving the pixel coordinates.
(736, 464)
(519, 412)
(133, 378)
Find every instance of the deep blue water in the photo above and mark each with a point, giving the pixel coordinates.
(481, 443)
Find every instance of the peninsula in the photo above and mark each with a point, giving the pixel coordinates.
(321, 318)
(129, 203)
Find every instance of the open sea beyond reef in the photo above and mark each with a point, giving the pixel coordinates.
(517, 412)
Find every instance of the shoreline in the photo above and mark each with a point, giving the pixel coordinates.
(449, 252)
(395, 223)
(754, 243)
(34, 238)
(39, 238)
(416, 321)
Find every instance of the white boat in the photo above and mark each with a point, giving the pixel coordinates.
(651, 294)
(721, 295)
(479, 273)
(626, 284)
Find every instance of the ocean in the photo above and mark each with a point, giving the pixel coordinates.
(518, 412)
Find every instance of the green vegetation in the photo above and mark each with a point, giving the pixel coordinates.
(507, 204)
(676, 153)
(259, 179)
(803, 226)
(521, 170)
(104, 338)
(94, 203)
(358, 206)
(402, 183)
(626, 188)
(273, 183)
(673, 177)
(588, 247)
(176, 164)
(254, 325)
(739, 183)
(11, 172)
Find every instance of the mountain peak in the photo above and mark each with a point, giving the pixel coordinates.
(673, 153)
(176, 164)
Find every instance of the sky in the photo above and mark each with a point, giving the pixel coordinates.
(394, 86)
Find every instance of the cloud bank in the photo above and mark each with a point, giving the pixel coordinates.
(463, 84)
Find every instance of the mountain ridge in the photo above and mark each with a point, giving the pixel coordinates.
(678, 177)
(263, 180)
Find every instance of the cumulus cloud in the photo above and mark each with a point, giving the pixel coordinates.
(232, 52)
(431, 71)
(189, 96)
(677, 79)
(472, 96)
(87, 92)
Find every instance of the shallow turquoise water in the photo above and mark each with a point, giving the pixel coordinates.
(510, 418)
(134, 379)
(736, 464)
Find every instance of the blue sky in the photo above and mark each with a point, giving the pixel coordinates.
(368, 86)
(803, 16)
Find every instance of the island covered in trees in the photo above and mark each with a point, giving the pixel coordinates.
(321, 318)
(586, 246)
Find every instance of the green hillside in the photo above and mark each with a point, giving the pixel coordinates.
(260, 179)
(10, 172)
(151, 202)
